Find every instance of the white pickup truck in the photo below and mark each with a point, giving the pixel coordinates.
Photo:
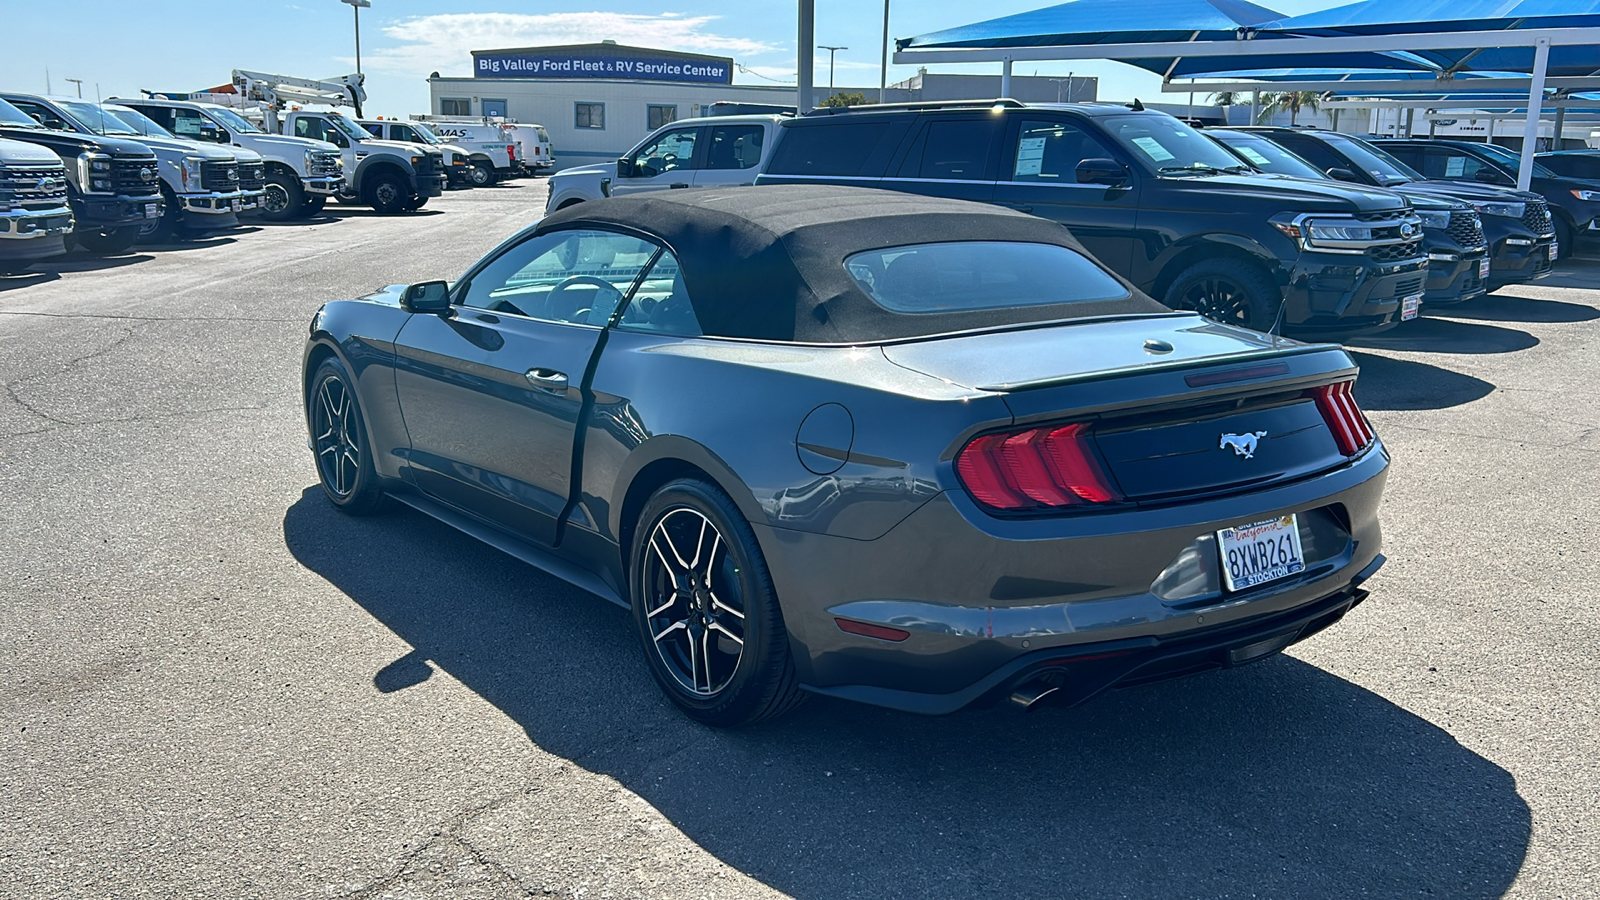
(717, 151)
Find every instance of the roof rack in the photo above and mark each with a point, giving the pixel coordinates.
(1002, 102)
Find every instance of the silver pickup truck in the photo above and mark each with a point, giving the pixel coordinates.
(717, 151)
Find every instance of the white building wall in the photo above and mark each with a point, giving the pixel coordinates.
(553, 104)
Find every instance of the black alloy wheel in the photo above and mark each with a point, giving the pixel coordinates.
(706, 611)
(339, 440)
(283, 198)
(388, 194)
(1230, 291)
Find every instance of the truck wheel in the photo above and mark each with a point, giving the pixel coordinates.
(166, 228)
(387, 194)
(478, 176)
(284, 197)
(313, 205)
(1231, 291)
(416, 203)
(109, 241)
(1564, 239)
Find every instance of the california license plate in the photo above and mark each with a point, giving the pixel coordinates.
(1409, 307)
(236, 205)
(1483, 267)
(1259, 553)
(150, 211)
(1555, 250)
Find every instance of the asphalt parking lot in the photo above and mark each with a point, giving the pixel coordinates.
(215, 685)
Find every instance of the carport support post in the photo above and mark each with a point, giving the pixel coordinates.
(1005, 80)
(808, 39)
(1530, 129)
(1561, 125)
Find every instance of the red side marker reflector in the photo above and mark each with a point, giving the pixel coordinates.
(872, 631)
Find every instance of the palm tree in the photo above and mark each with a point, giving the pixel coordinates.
(1225, 98)
(1291, 102)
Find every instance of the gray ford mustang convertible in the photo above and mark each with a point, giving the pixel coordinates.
(914, 452)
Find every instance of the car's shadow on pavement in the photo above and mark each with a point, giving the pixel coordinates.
(26, 279)
(1277, 780)
(1390, 383)
(1506, 308)
(1445, 336)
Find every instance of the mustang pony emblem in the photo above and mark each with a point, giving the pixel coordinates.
(1243, 444)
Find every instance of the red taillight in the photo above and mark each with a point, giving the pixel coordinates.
(1046, 467)
(1338, 407)
(511, 151)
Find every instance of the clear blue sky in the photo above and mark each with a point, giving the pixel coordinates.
(188, 44)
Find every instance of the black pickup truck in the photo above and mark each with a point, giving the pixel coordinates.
(113, 184)
(1151, 197)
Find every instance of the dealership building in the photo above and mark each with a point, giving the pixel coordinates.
(598, 100)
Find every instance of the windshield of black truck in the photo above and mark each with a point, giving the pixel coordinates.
(1169, 146)
(11, 117)
(1376, 162)
(1267, 156)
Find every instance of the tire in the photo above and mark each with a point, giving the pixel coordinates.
(109, 241)
(387, 194)
(167, 228)
(416, 203)
(313, 205)
(339, 442)
(478, 176)
(285, 198)
(1231, 291)
(731, 666)
(1564, 238)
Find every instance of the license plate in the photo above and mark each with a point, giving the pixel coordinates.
(1409, 307)
(235, 205)
(1554, 250)
(1259, 553)
(150, 211)
(1483, 268)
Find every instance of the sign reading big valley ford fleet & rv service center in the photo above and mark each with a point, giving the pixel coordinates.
(554, 63)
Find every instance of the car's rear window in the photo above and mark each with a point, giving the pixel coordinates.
(828, 149)
(974, 275)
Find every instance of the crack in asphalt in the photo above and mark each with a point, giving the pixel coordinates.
(450, 833)
(11, 386)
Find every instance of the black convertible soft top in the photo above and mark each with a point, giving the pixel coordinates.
(767, 262)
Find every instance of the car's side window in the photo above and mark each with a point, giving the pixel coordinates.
(953, 149)
(673, 150)
(1049, 152)
(578, 277)
(1318, 154)
(187, 123)
(661, 304)
(735, 147)
(44, 115)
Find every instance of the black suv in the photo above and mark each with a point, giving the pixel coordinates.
(1452, 231)
(1515, 223)
(114, 185)
(1152, 198)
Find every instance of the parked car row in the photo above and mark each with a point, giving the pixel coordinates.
(105, 176)
(1314, 234)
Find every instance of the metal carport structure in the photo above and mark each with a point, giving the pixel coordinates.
(1506, 36)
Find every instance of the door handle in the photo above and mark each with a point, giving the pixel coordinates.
(548, 380)
(677, 186)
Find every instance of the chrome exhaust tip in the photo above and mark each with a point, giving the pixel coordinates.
(1031, 695)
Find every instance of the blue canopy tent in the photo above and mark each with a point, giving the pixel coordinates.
(1517, 36)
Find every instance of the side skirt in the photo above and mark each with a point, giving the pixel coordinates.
(534, 556)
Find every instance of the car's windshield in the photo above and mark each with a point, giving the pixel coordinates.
(1375, 161)
(11, 117)
(1266, 156)
(232, 120)
(426, 133)
(1170, 146)
(351, 130)
(95, 119)
(972, 275)
(138, 121)
(1507, 158)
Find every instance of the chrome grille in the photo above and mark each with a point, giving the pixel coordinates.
(252, 176)
(221, 177)
(136, 177)
(1466, 228)
(1537, 217)
(42, 186)
(325, 163)
(1394, 252)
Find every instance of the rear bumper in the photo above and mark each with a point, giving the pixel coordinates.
(1332, 295)
(985, 602)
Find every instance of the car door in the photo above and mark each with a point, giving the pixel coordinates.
(493, 393)
(667, 162)
(949, 156)
(1039, 175)
(732, 155)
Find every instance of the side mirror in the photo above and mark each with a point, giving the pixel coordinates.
(1488, 176)
(1108, 172)
(431, 297)
(624, 168)
(1339, 173)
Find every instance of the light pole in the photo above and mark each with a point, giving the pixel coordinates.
(79, 83)
(883, 71)
(356, 6)
(831, 52)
